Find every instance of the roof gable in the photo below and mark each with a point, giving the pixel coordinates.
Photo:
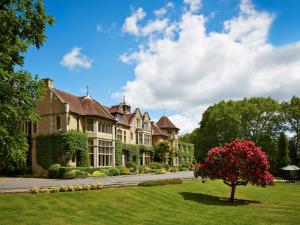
(165, 122)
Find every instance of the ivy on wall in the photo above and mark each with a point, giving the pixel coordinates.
(61, 147)
(134, 151)
(185, 152)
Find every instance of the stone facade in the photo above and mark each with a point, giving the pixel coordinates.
(61, 111)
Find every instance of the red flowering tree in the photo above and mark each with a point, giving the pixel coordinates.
(237, 163)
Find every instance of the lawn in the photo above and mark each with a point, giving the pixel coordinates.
(189, 203)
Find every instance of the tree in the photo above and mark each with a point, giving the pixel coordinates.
(162, 150)
(23, 23)
(292, 115)
(237, 163)
(283, 151)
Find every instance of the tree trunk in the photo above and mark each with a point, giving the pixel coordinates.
(232, 192)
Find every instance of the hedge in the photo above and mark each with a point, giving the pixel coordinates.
(150, 183)
(90, 170)
(61, 147)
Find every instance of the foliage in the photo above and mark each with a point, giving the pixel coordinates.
(113, 171)
(118, 152)
(75, 174)
(173, 169)
(90, 170)
(292, 115)
(53, 171)
(237, 163)
(22, 24)
(162, 151)
(98, 174)
(283, 150)
(35, 190)
(160, 182)
(155, 165)
(123, 170)
(61, 147)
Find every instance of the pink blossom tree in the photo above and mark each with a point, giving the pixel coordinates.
(237, 163)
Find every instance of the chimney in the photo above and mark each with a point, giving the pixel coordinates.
(48, 82)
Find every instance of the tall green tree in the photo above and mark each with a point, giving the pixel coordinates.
(257, 119)
(283, 151)
(162, 151)
(292, 114)
(23, 23)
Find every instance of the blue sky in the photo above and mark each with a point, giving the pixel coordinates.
(99, 32)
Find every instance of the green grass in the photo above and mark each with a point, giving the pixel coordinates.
(189, 203)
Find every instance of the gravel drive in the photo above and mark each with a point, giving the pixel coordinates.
(14, 185)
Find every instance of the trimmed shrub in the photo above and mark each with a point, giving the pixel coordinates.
(63, 189)
(53, 171)
(100, 185)
(75, 174)
(166, 166)
(54, 189)
(173, 169)
(160, 171)
(155, 165)
(45, 191)
(90, 170)
(124, 170)
(150, 183)
(98, 174)
(35, 190)
(78, 188)
(86, 187)
(93, 187)
(113, 171)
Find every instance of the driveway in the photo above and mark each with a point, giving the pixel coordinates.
(14, 185)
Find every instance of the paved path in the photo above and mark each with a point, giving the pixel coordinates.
(13, 185)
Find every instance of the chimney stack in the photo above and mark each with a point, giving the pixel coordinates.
(48, 82)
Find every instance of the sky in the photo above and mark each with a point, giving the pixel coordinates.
(171, 57)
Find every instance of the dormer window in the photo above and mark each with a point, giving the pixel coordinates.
(119, 117)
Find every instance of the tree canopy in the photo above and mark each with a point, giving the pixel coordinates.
(23, 23)
(237, 163)
(258, 119)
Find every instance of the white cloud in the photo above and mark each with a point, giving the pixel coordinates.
(157, 25)
(162, 11)
(193, 5)
(75, 59)
(193, 68)
(131, 23)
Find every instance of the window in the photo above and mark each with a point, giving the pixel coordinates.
(58, 125)
(119, 135)
(146, 125)
(131, 136)
(104, 128)
(91, 152)
(105, 153)
(138, 124)
(140, 139)
(90, 126)
(124, 136)
(147, 158)
(147, 139)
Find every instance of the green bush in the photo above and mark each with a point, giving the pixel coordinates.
(130, 164)
(160, 171)
(124, 170)
(86, 187)
(63, 189)
(98, 174)
(75, 174)
(78, 188)
(160, 182)
(53, 171)
(166, 166)
(93, 187)
(113, 171)
(183, 168)
(155, 165)
(90, 170)
(100, 185)
(174, 169)
(45, 191)
(35, 190)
